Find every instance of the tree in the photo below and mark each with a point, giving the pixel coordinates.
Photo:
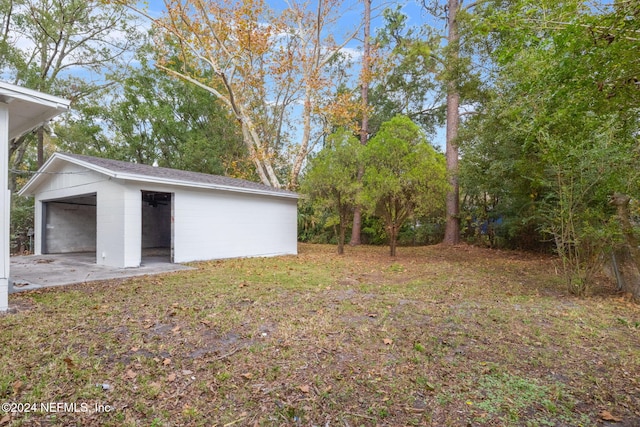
(258, 65)
(45, 42)
(331, 180)
(564, 112)
(403, 176)
(365, 77)
(155, 117)
(448, 76)
(405, 81)
(452, 230)
(314, 53)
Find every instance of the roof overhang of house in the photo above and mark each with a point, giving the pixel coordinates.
(28, 109)
(21, 110)
(56, 161)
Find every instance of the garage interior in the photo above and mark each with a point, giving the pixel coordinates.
(157, 226)
(70, 225)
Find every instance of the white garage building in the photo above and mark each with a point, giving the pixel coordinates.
(118, 209)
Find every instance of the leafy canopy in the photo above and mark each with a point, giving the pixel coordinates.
(404, 175)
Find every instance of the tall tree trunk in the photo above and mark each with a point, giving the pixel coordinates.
(306, 136)
(630, 271)
(343, 227)
(246, 137)
(452, 230)
(393, 239)
(40, 146)
(356, 230)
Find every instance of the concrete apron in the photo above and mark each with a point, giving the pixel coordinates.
(40, 271)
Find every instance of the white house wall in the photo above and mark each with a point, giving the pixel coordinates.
(219, 224)
(207, 224)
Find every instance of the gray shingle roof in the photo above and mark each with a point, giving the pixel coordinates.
(117, 166)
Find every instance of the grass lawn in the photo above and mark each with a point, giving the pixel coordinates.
(437, 336)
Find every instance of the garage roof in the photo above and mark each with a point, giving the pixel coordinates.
(145, 173)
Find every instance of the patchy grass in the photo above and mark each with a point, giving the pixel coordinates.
(437, 336)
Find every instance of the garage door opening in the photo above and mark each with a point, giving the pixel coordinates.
(157, 226)
(69, 225)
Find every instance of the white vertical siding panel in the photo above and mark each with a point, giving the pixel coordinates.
(132, 223)
(38, 232)
(218, 224)
(110, 214)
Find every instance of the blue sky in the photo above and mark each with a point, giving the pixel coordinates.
(350, 17)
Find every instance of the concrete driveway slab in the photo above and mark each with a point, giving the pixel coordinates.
(40, 271)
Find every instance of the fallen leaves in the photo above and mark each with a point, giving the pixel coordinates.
(67, 360)
(379, 352)
(607, 416)
(304, 388)
(17, 387)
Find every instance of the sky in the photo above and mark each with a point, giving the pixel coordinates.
(349, 18)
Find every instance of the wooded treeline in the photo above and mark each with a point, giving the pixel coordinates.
(539, 100)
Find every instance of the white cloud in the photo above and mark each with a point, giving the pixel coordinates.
(352, 53)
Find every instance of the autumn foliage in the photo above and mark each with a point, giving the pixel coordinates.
(263, 66)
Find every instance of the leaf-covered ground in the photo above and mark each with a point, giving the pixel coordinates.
(435, 337)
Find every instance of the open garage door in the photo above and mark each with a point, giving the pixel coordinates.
(157, 226)
(69, 225)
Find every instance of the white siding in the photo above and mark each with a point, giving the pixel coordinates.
(118, 213)
(5, 203)
(207, 224)
(217, 224)
(119, 226)
(71, 180)
(132, 227)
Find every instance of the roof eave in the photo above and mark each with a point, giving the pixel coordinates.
(33, 183)
(19, 92)
(204, 185)
(48, 106)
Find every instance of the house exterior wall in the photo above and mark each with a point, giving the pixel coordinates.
(207, 224)
(5, 203)
(219, 224)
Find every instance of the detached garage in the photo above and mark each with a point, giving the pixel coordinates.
(123, 210)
